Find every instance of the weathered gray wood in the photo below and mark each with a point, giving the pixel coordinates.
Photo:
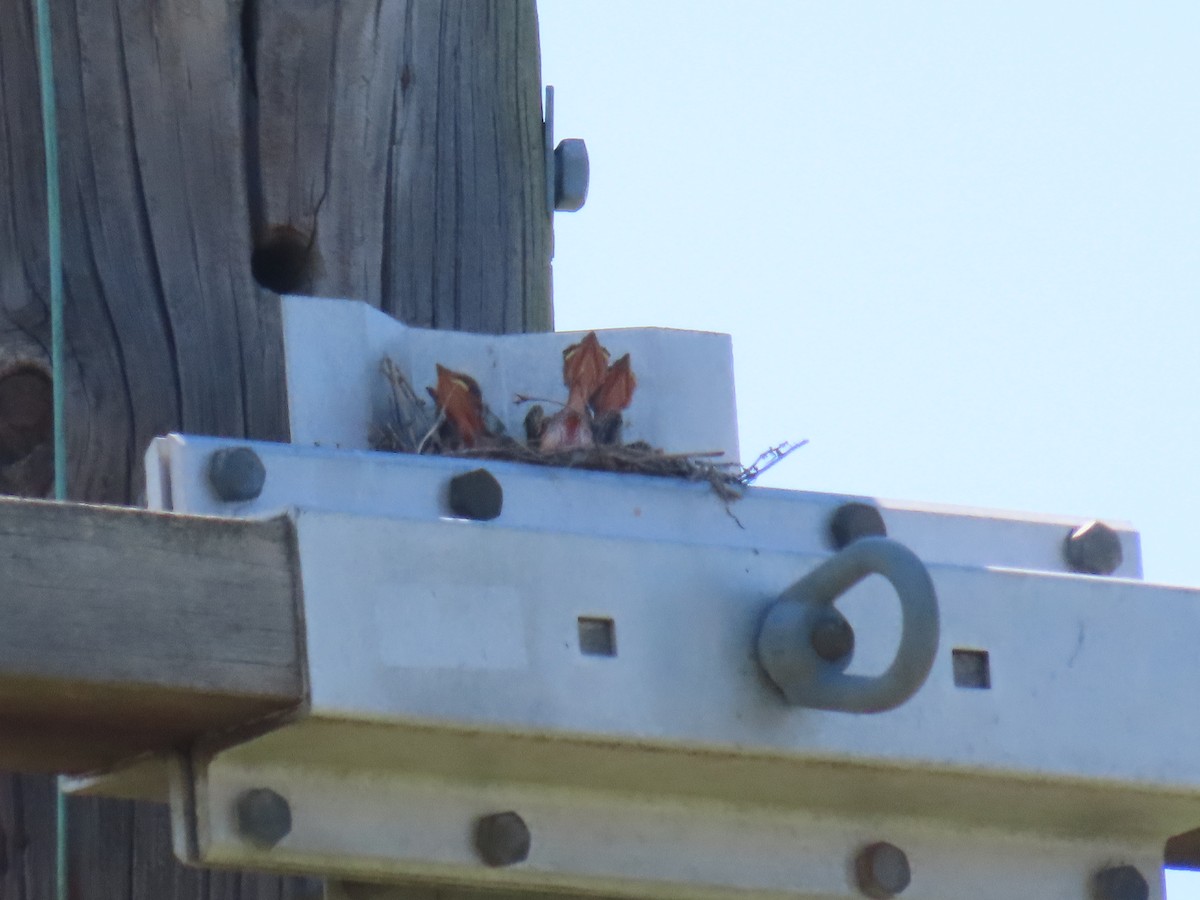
(124, 631)
(26, 858)
(386, 150)
(399, 156)
(1183, 851)
(165, 325)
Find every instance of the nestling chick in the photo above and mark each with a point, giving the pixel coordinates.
(567, 429)
(614, 394)
(460, 400)
(584, 367)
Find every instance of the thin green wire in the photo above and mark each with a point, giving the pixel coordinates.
(54, 240)
(54, 228)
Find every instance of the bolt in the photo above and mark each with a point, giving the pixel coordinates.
(882, 870)
(476, 495)
(852, 521)
(1094, 549)
(832, 637)
(263, 817)
(1119, 883)
(571, 173)
(236, 474)
(502, 839)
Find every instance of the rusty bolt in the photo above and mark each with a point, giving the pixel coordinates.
(502, 839)
(263, 817)
(882, 870)
(852, 521)
(832, 637)
(1094, 549)
(476, 495)
(236, 474)
(1119, 883)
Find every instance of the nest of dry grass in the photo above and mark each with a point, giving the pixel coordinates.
(636, 458)
(413, 427)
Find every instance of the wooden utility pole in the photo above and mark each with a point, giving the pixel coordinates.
(214, 154)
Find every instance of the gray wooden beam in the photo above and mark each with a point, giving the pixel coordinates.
(1183, 851)
(124, 631)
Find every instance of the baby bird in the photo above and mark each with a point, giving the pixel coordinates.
(614, 394)
(584, 368)
(461, 402)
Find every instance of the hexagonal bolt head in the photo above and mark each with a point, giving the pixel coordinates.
(882, 870)
(832, 637)
(476, 495)
(571, 174)
(264, 817)
(502, 839)
(852, 521)
(1119, 883)
(1093, 549)
(236, 474)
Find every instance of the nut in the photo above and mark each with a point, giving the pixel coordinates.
(571, 174)
(236, 474)
(263, 817)
(476, 495)
(832, 637)
(1119, 883)
(882, 870)
(502, 839)
(1094, 549)
(852, 521)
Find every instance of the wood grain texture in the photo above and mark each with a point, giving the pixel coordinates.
(391, 150)
(404, 152)
(126, 631)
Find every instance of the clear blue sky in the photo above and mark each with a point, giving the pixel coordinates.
(957, 244)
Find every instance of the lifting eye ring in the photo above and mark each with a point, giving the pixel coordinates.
(794, 641)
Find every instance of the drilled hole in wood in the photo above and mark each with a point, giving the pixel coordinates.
(282, 261)
(972, 669)
(26, 431)
(597, 637)
(26, 412)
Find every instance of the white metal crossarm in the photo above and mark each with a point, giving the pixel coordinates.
(525, 679)
(587, 660)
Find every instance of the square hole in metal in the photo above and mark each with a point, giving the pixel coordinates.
(597, 637)
(971, 669)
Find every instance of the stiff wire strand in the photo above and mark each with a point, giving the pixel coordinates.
(54, 241)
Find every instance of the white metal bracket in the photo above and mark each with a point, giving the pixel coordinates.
(586, 660)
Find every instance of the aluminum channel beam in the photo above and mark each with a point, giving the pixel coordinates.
(605, 505)
(448, 681)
